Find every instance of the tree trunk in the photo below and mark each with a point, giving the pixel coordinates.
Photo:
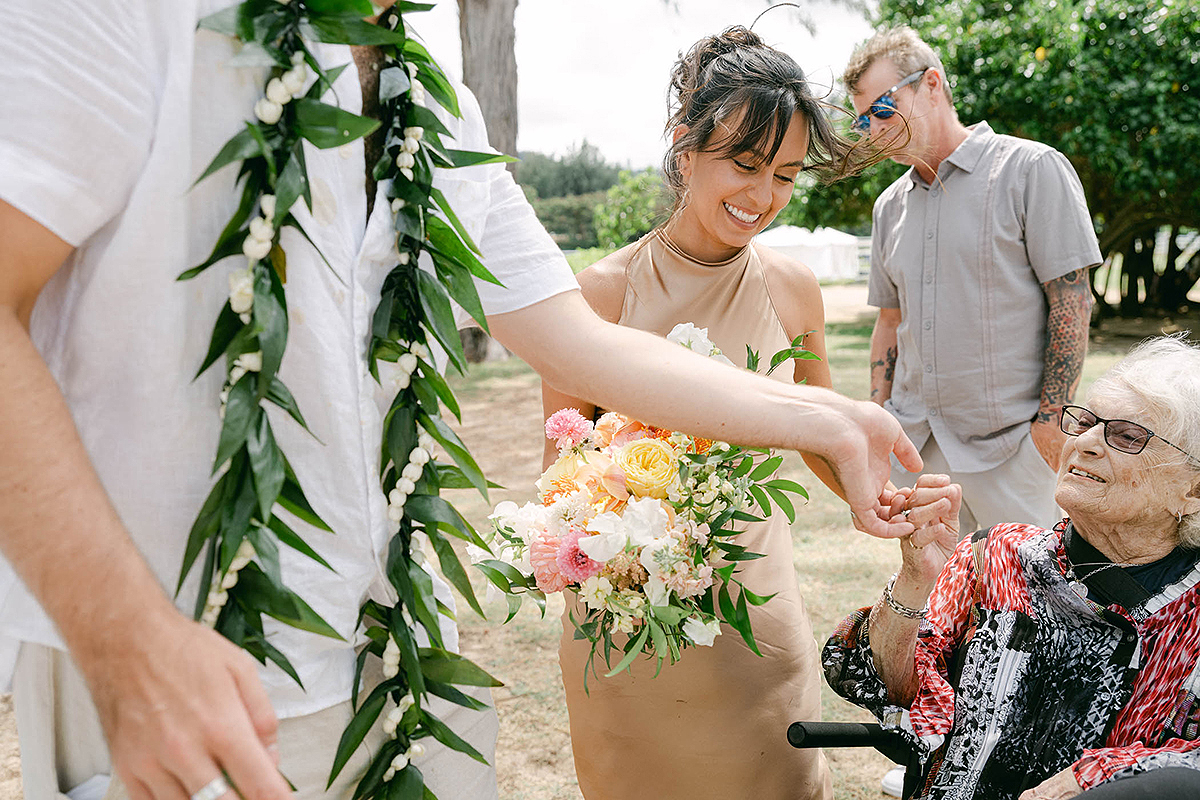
(490, 66)
(488, 35)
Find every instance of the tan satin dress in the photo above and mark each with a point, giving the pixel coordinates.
(714, 724)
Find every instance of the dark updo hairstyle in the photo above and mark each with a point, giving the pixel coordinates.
(734, 71)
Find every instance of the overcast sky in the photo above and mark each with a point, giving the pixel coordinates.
(598, 69)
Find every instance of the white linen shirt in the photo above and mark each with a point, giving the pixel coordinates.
(107, 116)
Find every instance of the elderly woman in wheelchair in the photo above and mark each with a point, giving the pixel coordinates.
(1034, 663)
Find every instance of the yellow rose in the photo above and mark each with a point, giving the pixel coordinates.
(571, 473)
(649, 466)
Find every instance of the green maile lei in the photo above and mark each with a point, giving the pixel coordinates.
(238, 531)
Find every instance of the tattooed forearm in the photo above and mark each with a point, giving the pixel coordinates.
(1070, 305)
(888, 365)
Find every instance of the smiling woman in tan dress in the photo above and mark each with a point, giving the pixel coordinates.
(744, 125)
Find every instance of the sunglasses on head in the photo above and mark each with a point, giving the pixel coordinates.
(884, 106)
(1120, 434)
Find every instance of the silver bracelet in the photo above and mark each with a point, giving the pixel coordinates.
(895, 606)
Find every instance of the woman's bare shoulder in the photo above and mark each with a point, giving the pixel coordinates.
(603, 283)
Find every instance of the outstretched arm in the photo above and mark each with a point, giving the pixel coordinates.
(654, 380)
(178, 702)
(1070, 306)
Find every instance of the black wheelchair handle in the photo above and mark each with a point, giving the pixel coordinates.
(836, 734)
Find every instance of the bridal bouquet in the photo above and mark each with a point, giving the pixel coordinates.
(640, 523)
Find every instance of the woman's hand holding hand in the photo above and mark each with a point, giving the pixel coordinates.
(1059, 786)
(932, 507)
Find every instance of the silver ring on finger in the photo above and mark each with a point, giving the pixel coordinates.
(212, 790)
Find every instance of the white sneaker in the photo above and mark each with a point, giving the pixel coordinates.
(893, 782)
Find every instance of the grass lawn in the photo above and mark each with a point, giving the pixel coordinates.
(838, 569)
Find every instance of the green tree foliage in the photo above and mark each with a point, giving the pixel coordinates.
(633, 207)
(582, 170)
(570, 220)
(1113, 84)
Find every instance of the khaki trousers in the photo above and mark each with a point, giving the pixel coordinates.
(62, 744)
(1019, 490)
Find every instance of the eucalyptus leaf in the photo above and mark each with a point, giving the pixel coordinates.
(764, 469)
(633, 649)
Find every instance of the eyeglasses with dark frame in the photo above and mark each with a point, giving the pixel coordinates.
(884, 106)
(1120, 434)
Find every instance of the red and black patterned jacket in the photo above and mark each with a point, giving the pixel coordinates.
(1048, 679)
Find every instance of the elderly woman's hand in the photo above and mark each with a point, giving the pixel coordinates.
(1059, 786)
(932, 507)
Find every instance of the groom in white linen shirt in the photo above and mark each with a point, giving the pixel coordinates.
(106, 117)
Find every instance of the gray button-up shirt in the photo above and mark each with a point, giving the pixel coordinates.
(963, 259)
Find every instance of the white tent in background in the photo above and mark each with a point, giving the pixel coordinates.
(831, 254)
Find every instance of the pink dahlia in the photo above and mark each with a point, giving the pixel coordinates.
(543, 556)
(568, 428)
(573, 563)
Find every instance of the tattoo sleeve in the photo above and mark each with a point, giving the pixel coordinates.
(888, 365)
(1070, 304)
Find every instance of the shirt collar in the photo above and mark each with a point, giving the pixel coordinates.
(966, 156)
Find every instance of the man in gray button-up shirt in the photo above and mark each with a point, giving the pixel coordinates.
(979, 268)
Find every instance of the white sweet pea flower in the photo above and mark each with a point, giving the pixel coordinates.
(277, 92)
(503, 512)
(268, 111)
(610, 537)
(477, 554)
(701, 632)
(657, 593)
(267, 204)
(644, 520)
(691, 337)
(256, 249)
(241, 291)
(595, 591)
